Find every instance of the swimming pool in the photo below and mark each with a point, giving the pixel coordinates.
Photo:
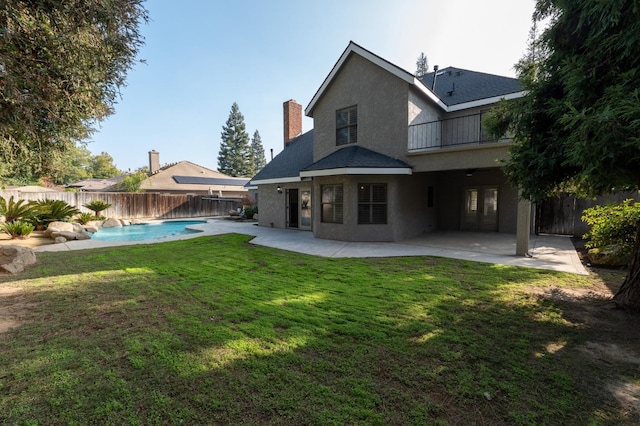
(146, 231)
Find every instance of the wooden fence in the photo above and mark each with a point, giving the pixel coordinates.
(563, 214)
(138, 205)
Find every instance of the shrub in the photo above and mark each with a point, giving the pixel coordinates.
(613, 224)
(14, 210)
(47, 211)
(84, 218)
(18, 229)
(249, 211)
(97, 206)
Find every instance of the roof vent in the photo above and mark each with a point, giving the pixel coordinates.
(453, 89)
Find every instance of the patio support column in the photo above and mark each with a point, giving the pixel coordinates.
(523, 227)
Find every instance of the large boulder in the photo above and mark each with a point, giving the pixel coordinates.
(13, 259)
(111, 223)
(91, 229)
(63, 227)
(70, 236)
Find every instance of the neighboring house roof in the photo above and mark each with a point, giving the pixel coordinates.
(456, 86)
(419, 84)
(96, 185)
(186, 176)
(286, 166)
(209, 181)
(354, 159)
(32, 188)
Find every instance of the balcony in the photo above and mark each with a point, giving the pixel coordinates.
(453, 132)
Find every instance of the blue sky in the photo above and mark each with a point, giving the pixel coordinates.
(203, 55)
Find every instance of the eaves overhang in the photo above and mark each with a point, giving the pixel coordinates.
(357, 171)
(275, 180)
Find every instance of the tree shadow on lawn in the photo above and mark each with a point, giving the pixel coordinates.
(207, 339)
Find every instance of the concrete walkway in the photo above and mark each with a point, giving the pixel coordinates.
(547, 252)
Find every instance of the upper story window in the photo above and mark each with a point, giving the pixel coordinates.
(347, 125)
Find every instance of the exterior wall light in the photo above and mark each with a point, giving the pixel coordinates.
(279, 189)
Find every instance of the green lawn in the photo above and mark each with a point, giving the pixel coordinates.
(214, 330)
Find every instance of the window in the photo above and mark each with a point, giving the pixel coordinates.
(372, 203)
(332, 197)
(347, 126)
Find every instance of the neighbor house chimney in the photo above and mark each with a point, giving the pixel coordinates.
(292, 120)
(154, 161)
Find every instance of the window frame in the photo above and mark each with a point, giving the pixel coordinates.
(350, 126)
(372, 205)
(335, 204)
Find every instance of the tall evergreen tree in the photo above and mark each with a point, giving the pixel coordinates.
(577, 127)
(257, 153)
(422, 65)
(234, 158)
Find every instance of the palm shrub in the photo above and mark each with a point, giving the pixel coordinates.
(84, 218)
(97, 206)
(613, 224)
(18, 229)
(14, 210)
(47, 211)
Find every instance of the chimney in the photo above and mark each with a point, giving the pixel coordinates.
(292, 120)
(154, 161)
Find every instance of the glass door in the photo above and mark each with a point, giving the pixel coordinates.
(480, 209)
(292, 208)
(305, 208)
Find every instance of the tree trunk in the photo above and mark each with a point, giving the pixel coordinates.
(628, 297)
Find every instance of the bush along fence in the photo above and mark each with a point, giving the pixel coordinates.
(139, 205)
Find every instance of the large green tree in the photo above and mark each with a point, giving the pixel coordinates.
(62, 65)
(258, 161)
(234, 158)
(101, 166)
(578, 128)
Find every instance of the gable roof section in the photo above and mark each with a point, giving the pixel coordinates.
(187, 176)
(498, 84)
(286, 166)
(356, 160)
(456, 86)
(209, 181)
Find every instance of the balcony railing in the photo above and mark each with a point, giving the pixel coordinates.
(460, 131)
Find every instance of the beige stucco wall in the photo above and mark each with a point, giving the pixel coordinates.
(407, 212)
(421, 110)
(460, 158)
(271, 205)
(382, 101)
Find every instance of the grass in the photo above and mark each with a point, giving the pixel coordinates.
(214, 330)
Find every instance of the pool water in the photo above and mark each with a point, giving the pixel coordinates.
(146, 232)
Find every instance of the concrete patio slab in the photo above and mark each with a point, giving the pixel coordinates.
(547, 252)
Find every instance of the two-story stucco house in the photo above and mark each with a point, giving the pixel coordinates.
(391, 156)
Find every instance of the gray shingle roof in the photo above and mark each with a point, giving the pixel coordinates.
(354, 156)
(456, 86)
(295, 157)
